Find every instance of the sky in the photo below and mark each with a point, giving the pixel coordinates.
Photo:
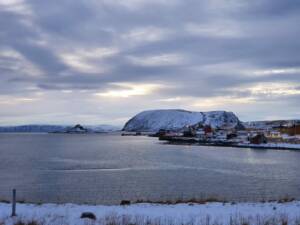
(103, 61)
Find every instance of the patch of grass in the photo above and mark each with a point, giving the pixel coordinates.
(116, 219)
(21, 201)
(206, 220)
(4, 201)
(187, 201)
(32, 222)
(286, 199)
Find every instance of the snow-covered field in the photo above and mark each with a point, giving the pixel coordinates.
(155, 214)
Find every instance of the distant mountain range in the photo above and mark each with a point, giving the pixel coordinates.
(176, 119)
(33, 128)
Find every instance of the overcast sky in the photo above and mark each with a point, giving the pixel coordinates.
(103, 61)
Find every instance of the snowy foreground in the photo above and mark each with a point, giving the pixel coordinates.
(155, 214)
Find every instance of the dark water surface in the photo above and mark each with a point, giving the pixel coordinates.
(106, 168)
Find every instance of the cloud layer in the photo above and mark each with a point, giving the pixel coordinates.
(103, 61)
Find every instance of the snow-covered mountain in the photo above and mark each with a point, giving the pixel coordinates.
(53, 128)
(176, 119)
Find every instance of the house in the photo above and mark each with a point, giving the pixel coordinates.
(208, 131)
(258, 139)
(243, 133)
(189, 132)
(290, 130)
(200, 133)
(231, 136)
(274, 134)
(221, 134)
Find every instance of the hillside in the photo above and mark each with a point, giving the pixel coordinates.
(175, 119)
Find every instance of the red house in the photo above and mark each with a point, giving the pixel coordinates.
(207, 129)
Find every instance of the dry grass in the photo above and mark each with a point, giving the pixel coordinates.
(28, 223)
(207, 220)
(195, 200)
(286, 199)
(114, 219)
(212, 199)
(187, 201)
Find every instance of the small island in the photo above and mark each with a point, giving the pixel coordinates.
(77, 129)
(216, 128)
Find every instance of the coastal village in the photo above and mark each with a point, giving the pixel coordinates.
(278, 134)
(214, 128)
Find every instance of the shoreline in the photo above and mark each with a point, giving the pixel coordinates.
(194, 142)
(237, 146)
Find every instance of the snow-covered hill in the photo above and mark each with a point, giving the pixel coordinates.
(175, 119)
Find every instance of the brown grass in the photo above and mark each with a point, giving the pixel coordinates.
(32, 222)
(187, 201)
(115, 219)
(212, 199)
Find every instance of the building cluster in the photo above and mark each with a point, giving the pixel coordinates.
(287, 133)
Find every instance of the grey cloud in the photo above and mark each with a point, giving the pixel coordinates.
(269, 8)
(264, 36)
(42, 57)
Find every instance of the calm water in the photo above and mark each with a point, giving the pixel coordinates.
(108, 168)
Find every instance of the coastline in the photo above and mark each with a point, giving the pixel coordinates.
(193, 141)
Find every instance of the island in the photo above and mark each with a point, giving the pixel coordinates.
(215, 128)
